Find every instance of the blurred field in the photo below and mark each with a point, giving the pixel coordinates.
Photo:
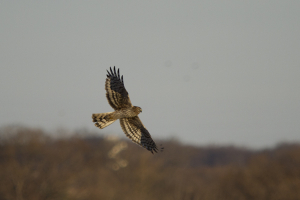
(34, 166)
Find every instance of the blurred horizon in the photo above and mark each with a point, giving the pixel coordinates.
(35, 166)
(67, 134)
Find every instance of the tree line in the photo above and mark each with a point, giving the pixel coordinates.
(35, 166)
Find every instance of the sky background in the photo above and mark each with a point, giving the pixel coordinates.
(204, 72)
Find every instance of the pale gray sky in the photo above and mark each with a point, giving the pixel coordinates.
(206, 72)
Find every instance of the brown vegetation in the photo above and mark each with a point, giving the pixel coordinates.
(34, 166)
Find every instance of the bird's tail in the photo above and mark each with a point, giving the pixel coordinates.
(103, 119)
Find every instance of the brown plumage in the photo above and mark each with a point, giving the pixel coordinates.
(119, 100)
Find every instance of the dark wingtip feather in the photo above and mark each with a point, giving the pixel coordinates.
(115, 74)
(112, 72)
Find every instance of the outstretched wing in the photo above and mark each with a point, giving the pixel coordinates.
(116, 93)
(136, 131)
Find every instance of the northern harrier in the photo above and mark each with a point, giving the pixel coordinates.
(119, 100)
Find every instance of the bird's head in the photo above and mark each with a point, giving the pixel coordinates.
(137, 109)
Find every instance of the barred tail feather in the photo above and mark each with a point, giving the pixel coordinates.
(103, 119)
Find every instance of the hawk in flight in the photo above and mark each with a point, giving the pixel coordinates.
(119, 100)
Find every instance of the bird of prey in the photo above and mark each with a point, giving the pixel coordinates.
(119, 100)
